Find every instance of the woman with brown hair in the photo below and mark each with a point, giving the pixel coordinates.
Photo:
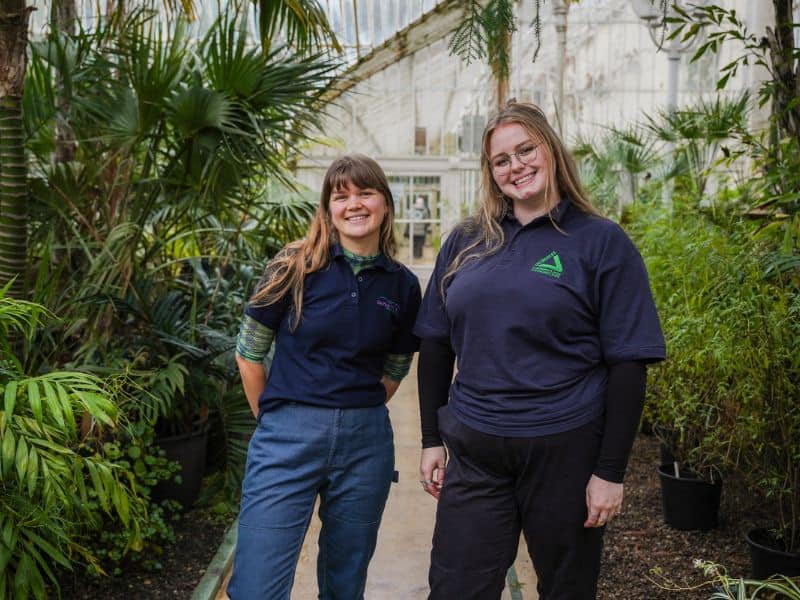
(340, 310)
(547, 307)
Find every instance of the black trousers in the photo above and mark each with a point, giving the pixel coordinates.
(419, 242)
(496, 487)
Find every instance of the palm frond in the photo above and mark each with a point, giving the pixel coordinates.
(302, 24)
(19, 315)
(48, 475)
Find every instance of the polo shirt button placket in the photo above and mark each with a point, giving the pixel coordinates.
(512, 243)
(512, 246)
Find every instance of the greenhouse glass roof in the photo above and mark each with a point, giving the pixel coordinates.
(360, 25)
(363, 25)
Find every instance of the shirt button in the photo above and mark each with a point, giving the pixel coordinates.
(360, 278)
(513, 248)
(353, 294)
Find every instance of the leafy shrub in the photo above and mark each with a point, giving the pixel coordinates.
(109, 544)
(726, 396)
(58, 479)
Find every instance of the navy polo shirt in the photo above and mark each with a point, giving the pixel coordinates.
(349, 323)
(535, 325)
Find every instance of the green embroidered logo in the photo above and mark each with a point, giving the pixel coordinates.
(549, 265)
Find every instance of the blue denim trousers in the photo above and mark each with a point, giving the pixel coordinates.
(298, 451)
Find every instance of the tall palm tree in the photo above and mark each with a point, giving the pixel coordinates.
(63, 16)
(13, 169)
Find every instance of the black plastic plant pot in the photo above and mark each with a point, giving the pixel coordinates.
(688, 502)
(665, 454)
(767, 556)
(189, 451)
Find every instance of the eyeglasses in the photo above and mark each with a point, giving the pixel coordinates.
(501, 164)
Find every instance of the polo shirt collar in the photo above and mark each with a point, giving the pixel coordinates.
(559, 212)
(382, 261)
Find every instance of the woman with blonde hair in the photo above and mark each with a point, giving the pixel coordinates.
(547, 307)
(340, 310)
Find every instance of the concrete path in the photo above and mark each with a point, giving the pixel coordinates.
(399, 569)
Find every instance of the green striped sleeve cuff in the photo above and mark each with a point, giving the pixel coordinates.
(397, 365)
(254, 340)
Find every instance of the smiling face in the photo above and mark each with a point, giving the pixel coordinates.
(520, 171)
(356, 214)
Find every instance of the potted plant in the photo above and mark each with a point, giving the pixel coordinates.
(771, 428)
(696, 396)
(691, 484)
(175, 364)
(726, 400)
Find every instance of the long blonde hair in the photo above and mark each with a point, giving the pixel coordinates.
(285, 274)
(483, 228)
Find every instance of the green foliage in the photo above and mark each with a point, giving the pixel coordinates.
(109, 544)
(726, 397)
(615, 167)
(499, 25)
(696, 269)
(725, 587)
(774, 153)
(57, 476)
(630, 164)
(778, 587)
(485, 32)
(774, 194)
(110, 547)
(719, 25)
(766, 433)
(699, 135)
(302, 22)
(177, 148)
(468, 40)
(148, 244)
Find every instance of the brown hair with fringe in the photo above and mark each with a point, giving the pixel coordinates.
(562, 179)
(285, 274)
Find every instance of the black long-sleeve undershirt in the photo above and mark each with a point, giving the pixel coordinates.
(434, 374)
(624, 403)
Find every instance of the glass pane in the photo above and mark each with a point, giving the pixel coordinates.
(417, 218)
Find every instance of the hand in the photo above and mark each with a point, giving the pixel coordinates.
(603, 501)
(390, 385)
(254, 380)
(431, 469)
